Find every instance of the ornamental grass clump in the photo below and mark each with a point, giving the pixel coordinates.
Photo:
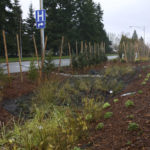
(92, 109)
(59, 129)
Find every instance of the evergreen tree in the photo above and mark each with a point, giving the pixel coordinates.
(16, 26)
(29, 30)
(5, 21)
(141, 40)
(135, 36)
(59, 21)
(17, 17)
(86, 20)
(30, 22)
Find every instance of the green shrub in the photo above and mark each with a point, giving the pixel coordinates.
(33, 72)
(133, 126)
(108, 115)
(86, 59)
(106, 105)
(100, 126)
(116, 100)
(129, 103)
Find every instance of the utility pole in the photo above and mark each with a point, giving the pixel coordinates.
(42, 31)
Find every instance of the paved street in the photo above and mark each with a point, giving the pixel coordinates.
(14, 66)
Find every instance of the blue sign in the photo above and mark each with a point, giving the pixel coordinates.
(40, 18)
(40, 25)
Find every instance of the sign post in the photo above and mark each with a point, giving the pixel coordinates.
(41, 23)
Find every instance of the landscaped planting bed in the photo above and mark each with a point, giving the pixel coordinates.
(68, 113)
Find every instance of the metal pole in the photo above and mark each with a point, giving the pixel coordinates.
(42, 31)
(20, 37)
(144, 33)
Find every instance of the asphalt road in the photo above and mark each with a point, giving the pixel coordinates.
(14, 66)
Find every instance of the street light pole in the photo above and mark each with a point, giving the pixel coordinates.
(42, 31)
(144, 32)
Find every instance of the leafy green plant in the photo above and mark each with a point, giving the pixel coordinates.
(100, 126)
(76, 148)
(140, 75)
(148, 75)
(140, 92)
(146, 79)
(89, 117)
(143, 83)
(129, 143)
(106, 105)
(130, 116)
(133, 126)
(116, 100)
(129, 103)
(108, 115)
(33, 72)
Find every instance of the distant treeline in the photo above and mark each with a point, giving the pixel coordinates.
(76, 20)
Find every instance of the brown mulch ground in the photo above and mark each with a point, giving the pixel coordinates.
(15, 90)
(115, 134)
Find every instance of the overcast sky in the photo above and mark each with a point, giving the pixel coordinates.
(118, 15)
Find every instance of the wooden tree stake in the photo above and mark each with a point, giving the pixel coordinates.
(70, 54)
(90, 47)
(6, 54)
(36, 53)
(76, 48)
(61, 52)
(125, 52)
(19, 58)
(104, 48)
(81, 46)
